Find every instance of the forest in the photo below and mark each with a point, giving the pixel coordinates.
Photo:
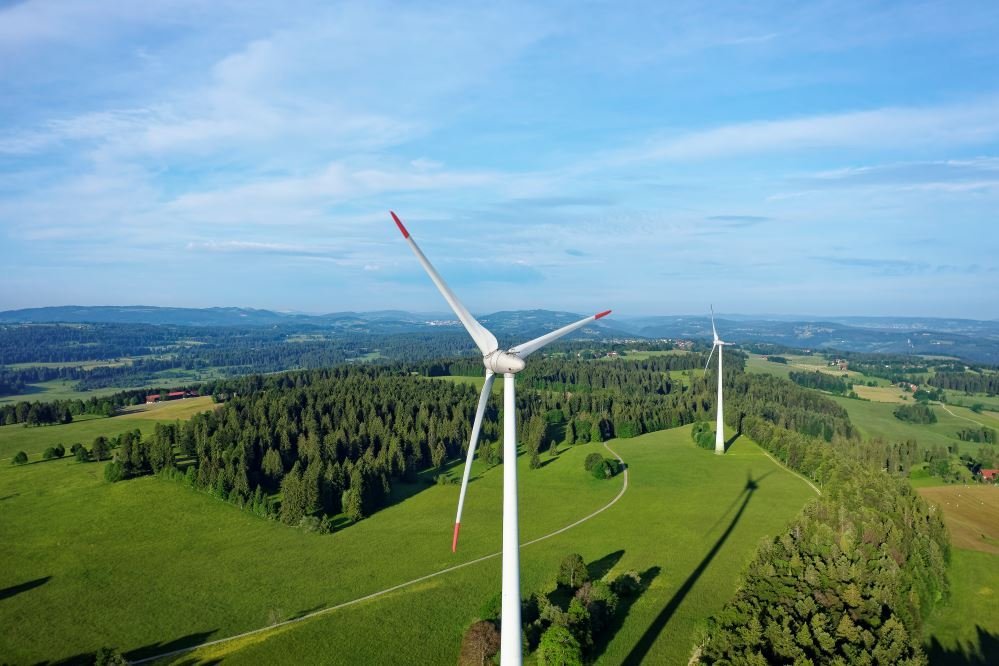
(969, 382)
(822, 381)
(338, 441)
(917, 413)
(849, 581)
(852, 579)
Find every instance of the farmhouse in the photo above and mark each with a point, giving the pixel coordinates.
(172, 395)
(990, 475)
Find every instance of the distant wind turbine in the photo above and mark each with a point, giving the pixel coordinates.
(508, 362)
(720, 423)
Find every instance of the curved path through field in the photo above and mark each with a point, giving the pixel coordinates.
(978, 423)
(375, 595)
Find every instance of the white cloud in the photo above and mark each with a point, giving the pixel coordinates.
(887, 128)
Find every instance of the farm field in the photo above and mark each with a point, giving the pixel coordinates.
(971, 514)
(171, 409)
(209, 570)
(890, 394)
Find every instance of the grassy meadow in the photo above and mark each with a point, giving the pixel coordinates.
(876, 419)
(965, 628)
(158, 565)
(678, 524)
(64, 389)
(58, 389)
(35, 440)
(171, 409)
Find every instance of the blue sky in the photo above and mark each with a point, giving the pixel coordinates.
(831, 158)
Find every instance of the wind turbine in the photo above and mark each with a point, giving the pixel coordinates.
(508, 363)
(720, 422)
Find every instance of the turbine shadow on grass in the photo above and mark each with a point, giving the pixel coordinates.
(14, 590)
(982, 652)
(188, 641)
(731, 440)
(751, 484)
(648, 639)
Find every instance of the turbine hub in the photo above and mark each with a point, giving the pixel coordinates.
(502, 362)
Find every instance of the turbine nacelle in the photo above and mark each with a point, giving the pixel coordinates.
(503, 363)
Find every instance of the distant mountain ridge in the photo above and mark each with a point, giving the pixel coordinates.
(975, 340)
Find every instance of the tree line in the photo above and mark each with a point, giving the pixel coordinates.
(821, 381)
(849, 581)
(968, 382)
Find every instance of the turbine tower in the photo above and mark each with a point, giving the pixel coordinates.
(508, 363)
(720, 419)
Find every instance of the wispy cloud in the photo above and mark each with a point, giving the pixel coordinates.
(740, 220)
(255, 247)
(899, 267)
(890, 128)
(955, 175)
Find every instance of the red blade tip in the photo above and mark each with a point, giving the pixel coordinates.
(398, 223)
(454, 541)
(602, 314)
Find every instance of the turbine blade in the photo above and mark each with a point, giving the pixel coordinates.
(487, 388)
(710, 354)
(714, 332)
(526, 349)
(484, 340)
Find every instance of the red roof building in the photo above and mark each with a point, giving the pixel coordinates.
(990, 474)
(175, 394)
(152, 398)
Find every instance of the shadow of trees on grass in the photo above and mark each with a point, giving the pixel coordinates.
(983, 651)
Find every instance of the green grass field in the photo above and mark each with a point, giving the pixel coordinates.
(58, 389)
(670, 527)
(960, 398)
(171, 409)
(641, 355)
(875, 419)
(952, 632)
(157, 565)
(63, 389)
(34, 441)
(801, 363)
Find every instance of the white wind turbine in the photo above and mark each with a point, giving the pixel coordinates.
(720, 420)
(508, 362)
